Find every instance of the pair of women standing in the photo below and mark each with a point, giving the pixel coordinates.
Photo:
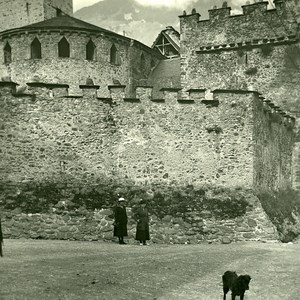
(141, 215)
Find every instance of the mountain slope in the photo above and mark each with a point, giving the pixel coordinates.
(140, 22)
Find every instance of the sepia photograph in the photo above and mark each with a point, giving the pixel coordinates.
(149, 149)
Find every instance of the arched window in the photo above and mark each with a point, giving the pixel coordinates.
(143, 61)
(36, 49)
(7, 53)
(63, 48)
(90, 50)
(58, 12)
(114, 56)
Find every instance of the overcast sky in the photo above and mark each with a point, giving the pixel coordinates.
(169, 3)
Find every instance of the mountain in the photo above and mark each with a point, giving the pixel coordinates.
(140, 22)
(136, 21)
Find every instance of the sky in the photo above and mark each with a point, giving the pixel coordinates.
(159, 3)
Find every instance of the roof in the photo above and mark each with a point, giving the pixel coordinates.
(172, 35)
(65, 22)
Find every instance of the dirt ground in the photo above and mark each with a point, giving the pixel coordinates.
(40, 269)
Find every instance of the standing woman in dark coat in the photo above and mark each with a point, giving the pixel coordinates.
(120, 225)
(1, 240)
(142, 227)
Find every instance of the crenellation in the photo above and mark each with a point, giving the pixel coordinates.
(7, 87)
(170, 94)
(144, 93)
(196, 94)
(258, 7)
(89, 90)
(117, 93)
(219, 13)
(39, 89)
(59, 90)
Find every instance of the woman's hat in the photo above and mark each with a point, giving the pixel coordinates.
(121, 199)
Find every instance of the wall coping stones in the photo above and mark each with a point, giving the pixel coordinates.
(116, 86)
(186, 101)
(157, 100)
(37, 84)
(170, 89)
(22, 95)
(255, 43)
(74, 96)
(57, 85)
(84, 86)
(132, 100)
(212, 103)
(196, 90)
(144, 86)
(8, 83)
(233, 91)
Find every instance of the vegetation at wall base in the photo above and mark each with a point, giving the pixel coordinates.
(283, 209)
(174, 200)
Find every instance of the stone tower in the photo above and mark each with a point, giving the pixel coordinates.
(292, 6)
(18, 13)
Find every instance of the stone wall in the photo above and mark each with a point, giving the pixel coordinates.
(52, 69)
(256, 22)
(18, 13)
(211, 141)
(195, 227)
(57, 147)
(258, 50)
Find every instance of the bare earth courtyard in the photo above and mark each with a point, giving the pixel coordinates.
(43, 269)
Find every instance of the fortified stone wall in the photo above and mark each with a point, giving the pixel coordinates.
(77, 141)
(272, 67)
(256, 22)
(168, 140)
(75, 70)
(196, 228)
(258, 50)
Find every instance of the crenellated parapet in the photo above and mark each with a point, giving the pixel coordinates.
(255, 22)
(217, 136)
(204, 98)
(247, 45)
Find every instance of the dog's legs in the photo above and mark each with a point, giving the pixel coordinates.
(232, 296)
(242, 296)
(225, 290)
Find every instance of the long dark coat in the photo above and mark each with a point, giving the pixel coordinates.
(142, 227)
(120, 226)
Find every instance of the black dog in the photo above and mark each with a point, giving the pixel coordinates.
(237, 284)
(1, 240)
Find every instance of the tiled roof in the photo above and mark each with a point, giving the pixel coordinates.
(66, 21)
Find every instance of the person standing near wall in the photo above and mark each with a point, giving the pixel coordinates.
(120, 224)
(142, 227)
